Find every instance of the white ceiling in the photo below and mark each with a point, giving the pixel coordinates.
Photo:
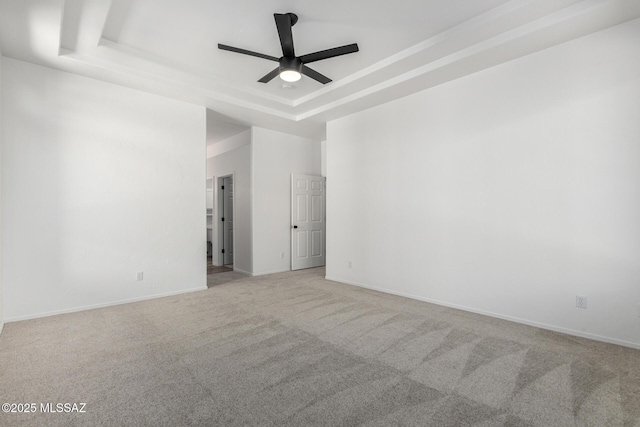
(169, 47)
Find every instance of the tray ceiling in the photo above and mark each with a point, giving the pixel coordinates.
(170, 48)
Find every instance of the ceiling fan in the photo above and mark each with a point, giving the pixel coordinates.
(291, 66)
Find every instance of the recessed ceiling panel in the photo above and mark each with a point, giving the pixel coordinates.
(170, 48)
(187, 33)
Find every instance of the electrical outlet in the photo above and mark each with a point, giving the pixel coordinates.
(581, 301)
(281, 255)
(139, 276)
(350, 265)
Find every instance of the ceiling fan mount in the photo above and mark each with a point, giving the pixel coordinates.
(292, 67)
(293, 17)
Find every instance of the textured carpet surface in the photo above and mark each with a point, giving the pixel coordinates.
(224, 277)
(294, 349)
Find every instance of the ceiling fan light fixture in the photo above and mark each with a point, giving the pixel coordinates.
(290, 76)
(290, 69)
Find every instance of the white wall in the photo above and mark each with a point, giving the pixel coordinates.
(236, 160)
(323, 158)
(507, 192)
(99, 182)
(1, 311)
(276, 156)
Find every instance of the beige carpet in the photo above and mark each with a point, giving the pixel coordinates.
(224, 277)
(294, 349)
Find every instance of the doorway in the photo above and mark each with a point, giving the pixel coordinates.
(225, 221)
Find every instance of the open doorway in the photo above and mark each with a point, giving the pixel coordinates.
(213, 267)
(225, 221)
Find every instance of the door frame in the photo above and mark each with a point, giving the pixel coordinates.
(219, 199)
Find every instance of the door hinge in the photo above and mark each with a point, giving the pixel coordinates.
(222, 187)
(222, 219)
(223, 251)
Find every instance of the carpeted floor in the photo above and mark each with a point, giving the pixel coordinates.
(294, 349)
(224, 277)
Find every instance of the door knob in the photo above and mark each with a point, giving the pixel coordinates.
(295, 226)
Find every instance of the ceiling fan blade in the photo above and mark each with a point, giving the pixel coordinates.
(247, 52)
(329, 53)
(284, 22)
(315, 75)
(270, 76)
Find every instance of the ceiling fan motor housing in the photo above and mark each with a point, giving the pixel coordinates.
(294, 64)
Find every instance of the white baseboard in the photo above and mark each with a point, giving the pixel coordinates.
(1, 327)
(264, 273)
(108, 304)
(243, 272)
(554, 328)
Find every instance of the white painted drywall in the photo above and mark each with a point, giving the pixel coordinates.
(1, 310)
(323, 158)
(507, 192)
(230, 144)
(236, 161)
(276, 156)
(220, 134)
(99, 182)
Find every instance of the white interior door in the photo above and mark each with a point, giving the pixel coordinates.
(227, 219)
(307, 221)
